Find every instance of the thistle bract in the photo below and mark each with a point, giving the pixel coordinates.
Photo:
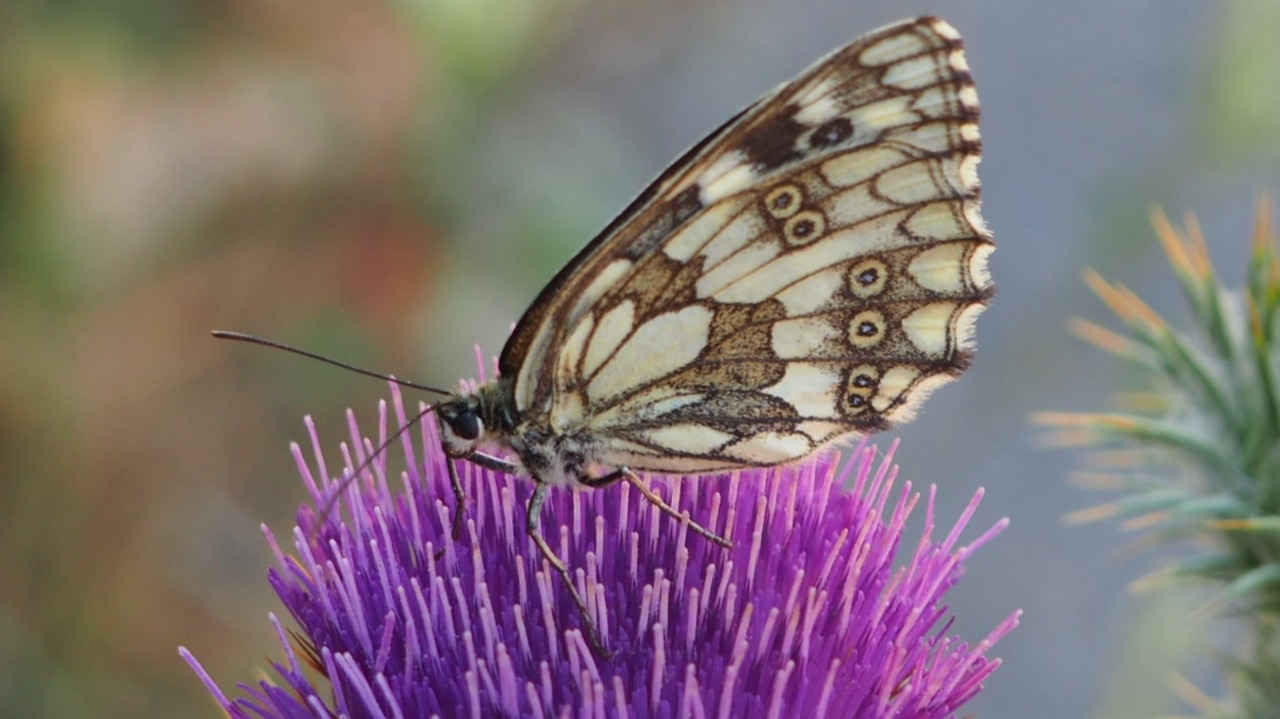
(1194, 451)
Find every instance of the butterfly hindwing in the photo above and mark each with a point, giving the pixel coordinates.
(811, 269)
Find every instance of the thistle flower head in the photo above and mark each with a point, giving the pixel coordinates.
(811, 613)
(1195, 453)
(1197, 448)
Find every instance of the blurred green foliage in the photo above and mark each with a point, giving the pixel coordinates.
(1242, 88)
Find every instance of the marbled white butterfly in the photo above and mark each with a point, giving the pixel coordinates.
(810, 270)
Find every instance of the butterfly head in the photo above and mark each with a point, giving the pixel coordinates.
(462, 425)
(476, 419)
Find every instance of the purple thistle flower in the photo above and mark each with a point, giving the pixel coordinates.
(805, 616)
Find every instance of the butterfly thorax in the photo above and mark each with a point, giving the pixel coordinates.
(488, 421)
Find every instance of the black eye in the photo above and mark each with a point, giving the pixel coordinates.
(466, 425)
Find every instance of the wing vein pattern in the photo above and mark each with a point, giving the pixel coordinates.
(811, 270)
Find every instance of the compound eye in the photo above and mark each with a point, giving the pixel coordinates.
(466, 426)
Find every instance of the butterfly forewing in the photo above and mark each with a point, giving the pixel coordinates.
(810, 270)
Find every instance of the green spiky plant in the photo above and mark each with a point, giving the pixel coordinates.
(1195, 455)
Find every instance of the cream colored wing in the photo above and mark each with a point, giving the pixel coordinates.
(811, 270)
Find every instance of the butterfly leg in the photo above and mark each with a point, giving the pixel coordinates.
(534, 527)
(460, 495)
(667, 509)
(487, 461)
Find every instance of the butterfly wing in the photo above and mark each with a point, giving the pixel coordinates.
(811, 269)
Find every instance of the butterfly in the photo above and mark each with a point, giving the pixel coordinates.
(809, 271)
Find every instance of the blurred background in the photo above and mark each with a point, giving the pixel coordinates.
(391, 183)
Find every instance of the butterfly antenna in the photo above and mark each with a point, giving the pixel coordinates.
(331, 501)
(251, 339)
